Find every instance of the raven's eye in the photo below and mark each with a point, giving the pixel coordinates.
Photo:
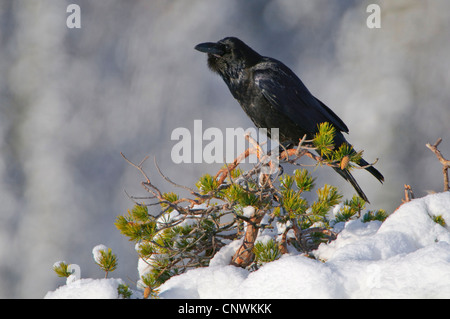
(227, 48)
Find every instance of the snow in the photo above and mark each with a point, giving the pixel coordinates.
(406, 256)
(210, 282)
(87, 289)
(96, 252)
(248, 211)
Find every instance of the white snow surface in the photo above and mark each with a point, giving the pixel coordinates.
(87, 289)
(406, 256)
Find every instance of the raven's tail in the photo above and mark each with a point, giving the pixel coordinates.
(372, 170)
(339, 140)
(349, 177)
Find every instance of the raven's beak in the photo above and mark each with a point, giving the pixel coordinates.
(211, 48)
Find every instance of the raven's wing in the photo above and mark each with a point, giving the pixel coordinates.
(287, 93)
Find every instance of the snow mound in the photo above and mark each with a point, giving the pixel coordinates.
(87, 289)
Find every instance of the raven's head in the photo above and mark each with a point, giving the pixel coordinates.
(229, 56)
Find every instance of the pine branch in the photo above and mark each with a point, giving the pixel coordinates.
(186, 232)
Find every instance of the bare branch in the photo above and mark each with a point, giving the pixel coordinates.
(173, 183)
(139, 167)
(409, 195)
(445, 163)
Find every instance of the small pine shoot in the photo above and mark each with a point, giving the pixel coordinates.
(304, 181)
(105, 259)
(242, 197)
(327, 197)
(266, 252)
(171, 198)
(324, 139)
(137, 224)
(439, 220)
(124, 291)
(343, 156)
(350, 209)
(379, 215)
(61, 269)
(206, 184)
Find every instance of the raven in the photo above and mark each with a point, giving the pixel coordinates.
(274, 97)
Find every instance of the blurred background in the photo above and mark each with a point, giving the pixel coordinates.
(73, 99)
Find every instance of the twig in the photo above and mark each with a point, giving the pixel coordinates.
(193, 192)
(139, 167)
(147, 184)
(409, 195)
(445, 163)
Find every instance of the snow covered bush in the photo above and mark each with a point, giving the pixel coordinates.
(294, 248)
(268, 214)
(406, 256)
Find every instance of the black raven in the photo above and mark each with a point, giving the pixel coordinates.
(274, 97)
